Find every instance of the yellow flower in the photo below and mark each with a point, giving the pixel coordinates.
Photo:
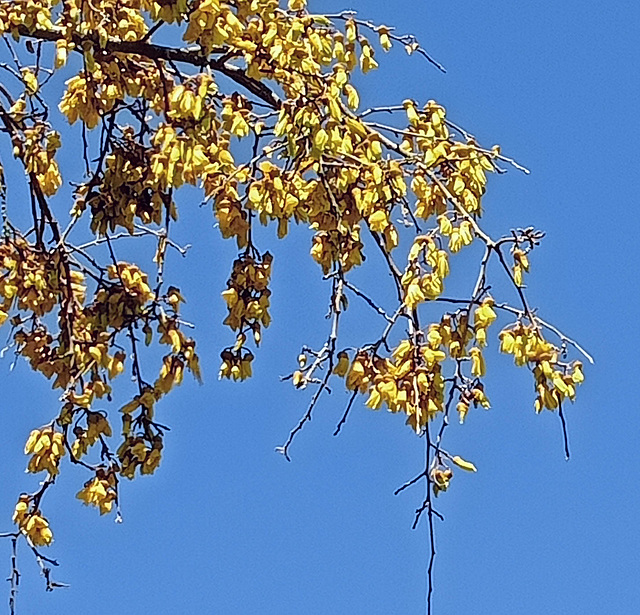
(410, 108)
(353, 100)
(298, 379)
(21, 509)
(463, 409)
(577, 374)
(478, 367)
(517, 274)
(357, 375)
(440, 479)
(378, 220)
(464, 464)
(414, 294)
(30, 81)
(385, 40)
(480, 398)
(484, 314)
(342, 367)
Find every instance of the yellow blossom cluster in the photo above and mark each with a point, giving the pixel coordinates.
(47, 448)
(233, 218)
(473, 395)
(84, 344)
(247, 296)
(109, 20)
(461, 166)
(145, 401)
(167, 10)
(142, 444)
(459, 236)
(334, 247)
(89, 353)
(137, 452)
(31, 523)
(199, 150)
(134, 284)
(555, 381)
(284, 46)
(520, 265)
(236, 364)
(468, 181)
(89, 95)
(430, 198)
(30, 278)
(126, 192)
(106, 82)
(423, 280)
(280, 195)
(526, 344)
(182, 355)
(38, 150)
(452, 334)
(97, 427)
(410, 381)
(100, 491)
(36, 346)
(440, 478)
(191, 101)
(483, 317)
(30, 14)
(236, 114)
(356, 196)
(95, 388)
(428, 128)
(213, 23)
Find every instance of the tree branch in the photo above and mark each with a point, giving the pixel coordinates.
(171, 54)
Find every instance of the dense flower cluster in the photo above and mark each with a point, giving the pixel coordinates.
(31, 523)
(410, 381)
(555, 380)
(100, 491)
(47, 448)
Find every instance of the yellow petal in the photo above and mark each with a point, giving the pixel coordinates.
(462, 463)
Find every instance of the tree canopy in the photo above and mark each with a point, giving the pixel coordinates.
(253, 103)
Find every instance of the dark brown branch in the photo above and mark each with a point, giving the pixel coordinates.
(410, 482)
(368, 300)
(565, 437)
(343, 420)
(170, 54)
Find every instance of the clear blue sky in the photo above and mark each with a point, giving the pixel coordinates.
(226, 526)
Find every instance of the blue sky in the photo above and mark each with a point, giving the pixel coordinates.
(226, 526)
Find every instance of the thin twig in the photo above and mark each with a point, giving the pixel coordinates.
(14, 579)
(565, 437)
(368, 300)
(343, 420)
